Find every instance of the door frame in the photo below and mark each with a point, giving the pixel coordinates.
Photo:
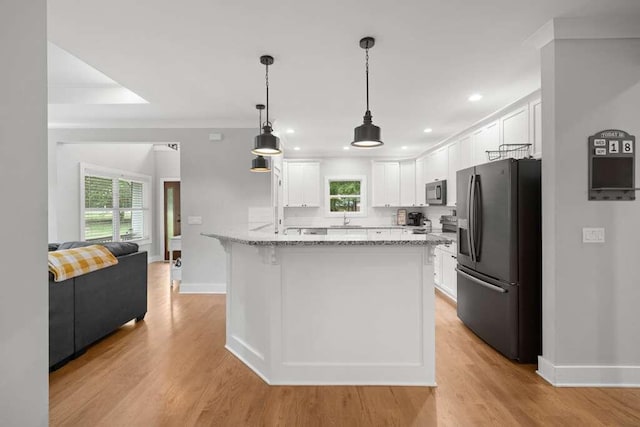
(160, 225)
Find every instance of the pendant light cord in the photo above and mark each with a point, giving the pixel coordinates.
(266, 79)
(367, 73)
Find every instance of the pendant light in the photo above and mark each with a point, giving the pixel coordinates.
(260, 164)
(367, 135)
(266, 144)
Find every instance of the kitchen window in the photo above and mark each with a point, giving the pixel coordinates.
(346, 196)
(114, 205)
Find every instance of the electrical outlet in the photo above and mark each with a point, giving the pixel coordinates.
(593, 235)
(194, 220)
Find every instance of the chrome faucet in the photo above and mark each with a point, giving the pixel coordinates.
(345, 221)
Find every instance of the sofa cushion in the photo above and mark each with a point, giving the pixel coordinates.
(116, 248)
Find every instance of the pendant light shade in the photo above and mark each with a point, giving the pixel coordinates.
(260, 164)
(266, 144)
(367, 135)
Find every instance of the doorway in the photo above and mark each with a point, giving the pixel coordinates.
(172, 218)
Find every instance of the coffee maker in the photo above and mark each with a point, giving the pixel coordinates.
(415, 219)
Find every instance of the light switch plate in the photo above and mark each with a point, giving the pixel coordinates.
(593, 235)
(194, 220)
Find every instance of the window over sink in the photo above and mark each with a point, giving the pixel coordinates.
(346, 195)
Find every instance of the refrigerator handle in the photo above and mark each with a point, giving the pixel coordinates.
(470, 217)
(477, 218)
(483, 283)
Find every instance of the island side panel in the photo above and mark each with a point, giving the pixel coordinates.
(252, 270)
(354, 315)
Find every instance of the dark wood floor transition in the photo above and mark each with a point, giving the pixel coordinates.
(173, 370)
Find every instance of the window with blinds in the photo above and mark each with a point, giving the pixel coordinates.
(115, 206)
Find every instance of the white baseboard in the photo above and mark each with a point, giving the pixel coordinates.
(588, 375)
(203, 288)
(154, 258)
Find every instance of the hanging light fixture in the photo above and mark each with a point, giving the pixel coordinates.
(260, 164)
(266, 144)
(367, 135)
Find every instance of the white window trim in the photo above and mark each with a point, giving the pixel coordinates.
(94, 170)
(363, 196)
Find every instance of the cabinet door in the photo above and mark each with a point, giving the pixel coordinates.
(311, 184)
(421, 195)
(515, 126)
(485, 139)
(449, 276)
(408, 183)
(453, 169)
(378, 184)
(465, 152)
(440, 164)
(295, 184)
(536, 128)
(437, 266)
(392, 183)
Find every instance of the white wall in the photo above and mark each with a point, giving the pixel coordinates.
(24, 314)
(591, 292)
(136, 158)
(337, 167)
(217, 186)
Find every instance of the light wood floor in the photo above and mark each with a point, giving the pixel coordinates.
(172, 370)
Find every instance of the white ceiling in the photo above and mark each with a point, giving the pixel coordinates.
(72, 81)
(196, 63)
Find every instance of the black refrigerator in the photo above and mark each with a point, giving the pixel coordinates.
(499, 255)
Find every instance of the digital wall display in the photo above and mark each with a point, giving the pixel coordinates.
(612, 166)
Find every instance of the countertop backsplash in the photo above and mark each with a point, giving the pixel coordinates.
(315, 217)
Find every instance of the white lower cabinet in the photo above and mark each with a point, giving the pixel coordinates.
(378, 232)
(444, 266)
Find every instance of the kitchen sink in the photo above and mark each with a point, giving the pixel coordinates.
(345, 226)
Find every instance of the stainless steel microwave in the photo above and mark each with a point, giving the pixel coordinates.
(437, 192)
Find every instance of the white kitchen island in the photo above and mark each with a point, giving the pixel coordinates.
(333, 309)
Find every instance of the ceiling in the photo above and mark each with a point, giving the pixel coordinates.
(196, 63)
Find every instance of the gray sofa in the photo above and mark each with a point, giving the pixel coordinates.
(86, 308)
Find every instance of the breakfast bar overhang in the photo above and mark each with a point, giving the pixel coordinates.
(329, 310)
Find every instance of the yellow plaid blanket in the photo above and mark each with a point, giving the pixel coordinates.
(68, 263)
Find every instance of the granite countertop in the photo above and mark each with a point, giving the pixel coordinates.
(446, 234)
(264, 238)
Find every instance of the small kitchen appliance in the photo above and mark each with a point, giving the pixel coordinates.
(415, 219)
(436, 193)
(449, 223)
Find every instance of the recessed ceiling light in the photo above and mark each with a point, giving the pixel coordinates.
(404, 147)
(345, 148)
(428, 130)
(290, 131)
(475, 97)
(296, 148)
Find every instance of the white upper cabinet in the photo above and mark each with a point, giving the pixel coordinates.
(485, 139)
(515, 126)
(386, 184)
(421, 195)
(408, 183)
(438, 165)
(465, 152)
(535, 125)
(454, 166)
(302, 184)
